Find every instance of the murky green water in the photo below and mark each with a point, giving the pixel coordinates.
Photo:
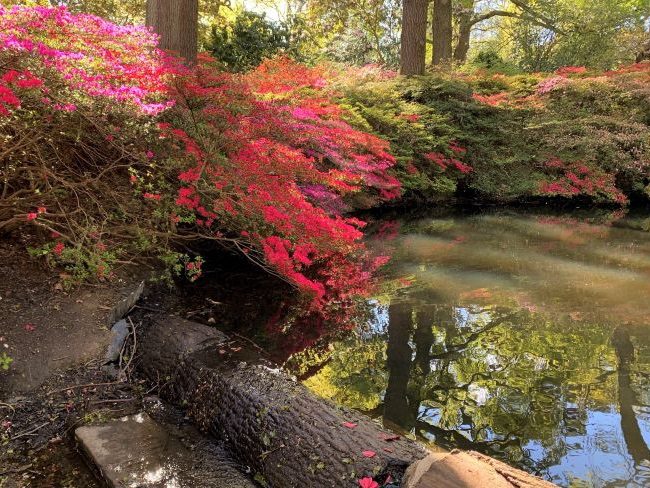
(523, 336)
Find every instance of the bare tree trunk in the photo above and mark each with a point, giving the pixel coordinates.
(464, 32)
(442, 31)
(176, 22)
(414, 36)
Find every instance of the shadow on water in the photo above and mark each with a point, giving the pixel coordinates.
(522, 336)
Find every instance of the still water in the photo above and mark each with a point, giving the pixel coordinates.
(526, 337)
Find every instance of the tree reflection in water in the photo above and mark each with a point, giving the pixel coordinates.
(548, 382)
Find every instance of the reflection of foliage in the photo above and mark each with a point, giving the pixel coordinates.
(355, 380)
(498, 382)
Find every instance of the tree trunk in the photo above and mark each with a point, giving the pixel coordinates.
(442, 31)
(176, 22)
(398, 363)
(627, 398)
(644, 53)
(269, 422)
(414, 37)
(464, 34)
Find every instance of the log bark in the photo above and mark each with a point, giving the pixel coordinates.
(271, 423)
(176, 22)
(286, 435)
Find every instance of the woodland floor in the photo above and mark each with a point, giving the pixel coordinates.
(56, 338)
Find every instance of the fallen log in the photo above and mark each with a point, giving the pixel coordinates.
(286, 435)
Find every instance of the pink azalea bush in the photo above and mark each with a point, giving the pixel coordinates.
(116, 149)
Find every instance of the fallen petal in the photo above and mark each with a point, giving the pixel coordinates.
(368, 483)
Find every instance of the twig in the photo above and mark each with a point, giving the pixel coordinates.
(16, 470)
(259, 348)
(133, 349)
(114, 400)
(30, 431)
(84, 386)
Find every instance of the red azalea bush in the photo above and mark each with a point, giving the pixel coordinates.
(272, 178)
(115, 148)
(570, 179)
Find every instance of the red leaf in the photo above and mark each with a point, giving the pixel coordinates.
(388, 437)
(368, 483)
(388, 449)
(369, 454)
(349, 425)
(30, 327)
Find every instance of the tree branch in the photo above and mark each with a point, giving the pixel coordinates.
(528, 14)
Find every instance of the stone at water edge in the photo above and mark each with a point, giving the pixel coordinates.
(457, 469)
(136, 451)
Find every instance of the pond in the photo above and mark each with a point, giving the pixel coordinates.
(524, 336)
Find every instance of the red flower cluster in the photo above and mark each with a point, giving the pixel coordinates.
(573, 179)
(444, 161)
(12, 80)
(269, 167)
(493, 100)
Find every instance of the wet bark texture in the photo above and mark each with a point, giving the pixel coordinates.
(414, 37)
(270, 423)
(176, 22)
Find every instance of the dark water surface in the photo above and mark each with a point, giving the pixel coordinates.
(523, 336)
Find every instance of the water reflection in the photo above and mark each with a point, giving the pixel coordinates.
(524, 337)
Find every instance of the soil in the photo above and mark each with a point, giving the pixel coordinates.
(56, 338)
(45, 328)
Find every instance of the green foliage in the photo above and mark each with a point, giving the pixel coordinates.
(243, 44)
(510, 127)
(598, 33)
(412, 129)
(5, 362)
(492, 61)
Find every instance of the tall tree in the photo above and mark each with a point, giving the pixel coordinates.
(414, 37)
(176, 22)
(442, 31)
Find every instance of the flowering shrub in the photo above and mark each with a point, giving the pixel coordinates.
(494, 100)
(271, 177)
(77, 95)
(115, 149)
(92, 56)
(550, 84)
(571, 70)
(573, 179)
